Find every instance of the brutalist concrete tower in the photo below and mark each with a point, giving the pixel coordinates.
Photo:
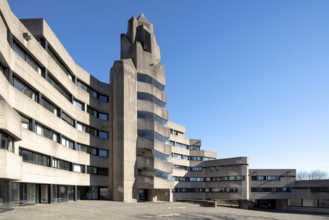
(141, 156)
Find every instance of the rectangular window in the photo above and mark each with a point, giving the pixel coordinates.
(22, 87)
(67, 142)
(103, 116)
(78, 168)
(61, 164)
(81, 147)
(25, 56)
(33, 157)
(59, 87)
(82, 85)
(67, 119)
(103, 135)
(45, 132)
(310, 203)
(50, 106)
(79, 105)
(26, 123)
(2, 67)
(6, 142)
(103, 98)
(102, 153)
(324, 203)
(60, 63)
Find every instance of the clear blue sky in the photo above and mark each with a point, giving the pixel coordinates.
(250, 78)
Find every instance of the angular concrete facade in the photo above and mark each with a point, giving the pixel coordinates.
(65, 136)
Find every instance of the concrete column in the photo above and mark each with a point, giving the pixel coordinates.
(124, 131)
(75, 193)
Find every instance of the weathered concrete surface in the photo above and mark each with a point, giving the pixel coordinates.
(159, 210)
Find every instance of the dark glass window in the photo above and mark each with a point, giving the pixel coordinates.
(46, 132)
(151, 116)
(102, 153)
(79, 105)
(161, 156)
(2, 67)
(149, 97)
(6, 142)
(103, 98)
(97, 170)
(59, 87)
(67, 119)
(50, 106)
(24, 88)
(152, 135)
(60, 63)
(67, 142)
(148, 79)
(61, 164)
(103, 135)
(25, 56)
(33, 157)
(103, 116)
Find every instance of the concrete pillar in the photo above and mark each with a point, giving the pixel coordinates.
(124, 131)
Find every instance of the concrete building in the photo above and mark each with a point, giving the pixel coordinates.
(67, 136)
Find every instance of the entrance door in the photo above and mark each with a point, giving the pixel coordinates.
(142, 195)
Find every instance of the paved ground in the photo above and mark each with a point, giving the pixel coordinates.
(161, 210)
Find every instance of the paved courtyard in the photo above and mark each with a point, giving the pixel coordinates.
(161, 210)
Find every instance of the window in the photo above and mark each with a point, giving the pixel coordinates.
(148, 79)
(103, 116)
(20, 51)
(324, 203)
(26, 123)
(224, 190)
(60, 63)
(162, 174)
(2, 67)
(22, 87)
(33, 157)
(181, 145)
(78, 168)
(103, 135)
(6, 142)
(265, 178)
(67, 142)
(191, 147)
(61, 164)
(102, 153)
(195, 169)
(162, 156)
(67, 119)
(81, 147)
(79, 104)
(149, 97)
(50, 106)
(46, 132)
(103, 98)
(270, 189)
(152, 135)
(97, 170)
(151, 116)
(82, 86)
(93, 112)
(295, 202)
(59, 87)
